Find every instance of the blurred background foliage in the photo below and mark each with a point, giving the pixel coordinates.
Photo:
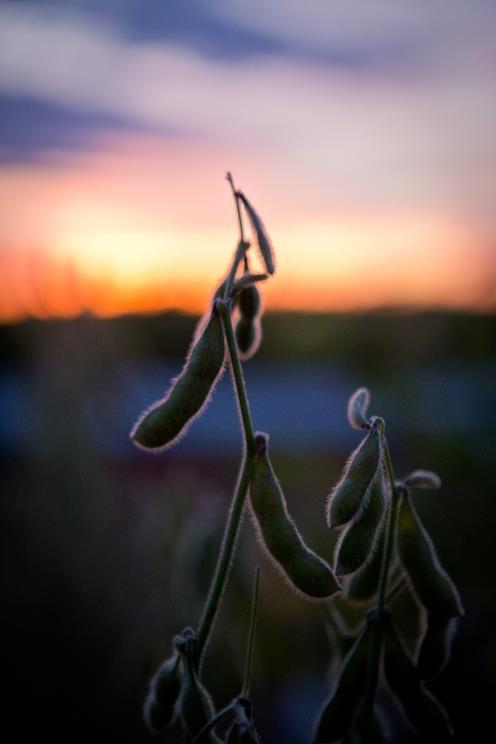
(108, 551)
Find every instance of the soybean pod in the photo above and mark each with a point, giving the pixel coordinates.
(162, 424)
(360, 472)
(435, 649)
(194, 704)
(165, 686)
(305, 570)
(424, 712)
(358, 540)
(430, 582)
(338, 714)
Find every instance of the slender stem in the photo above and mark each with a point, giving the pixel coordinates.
(238, 501)
(251, 638)
(225, 555)
(375, 652)
(238, 210)
(239, 380)
(213, 723)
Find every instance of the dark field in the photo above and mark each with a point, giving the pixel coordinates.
(108, 551)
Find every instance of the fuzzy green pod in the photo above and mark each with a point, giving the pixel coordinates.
(337, 716)
(194, 705)
(165, 686)
(248, 335)
(249, 302)
(162, 424)
(357, 541)
(360, 472)
(430, 582)
(357, 409)
(306, 571)
(364, 584)
(435, 649)
(424, 712)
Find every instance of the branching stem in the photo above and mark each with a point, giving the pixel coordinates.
(238, 501)
(375, 652)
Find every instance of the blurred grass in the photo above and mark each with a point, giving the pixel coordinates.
(107, 553)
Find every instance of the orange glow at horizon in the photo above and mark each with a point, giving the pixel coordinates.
(128, 229)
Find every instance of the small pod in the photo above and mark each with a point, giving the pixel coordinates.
(357, 409)
(359, 474)
(249, 302)
(357, 541)
(435, 650)
(165, 686)
(162, 424)
(261, 235)
(194, 704)
(248, 334)
(308, 573)
(338, 714)
(424, 712)
(430, 582)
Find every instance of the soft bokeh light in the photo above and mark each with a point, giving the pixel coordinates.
(364, 138)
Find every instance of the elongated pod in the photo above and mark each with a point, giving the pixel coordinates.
(261, 235)
(356, 543)
(162, 424)
(337, 716)
(165, 686)
(435, 649)
(194, 704)
(307, 572)
(424, 712)
(359, 474)
(430, 582)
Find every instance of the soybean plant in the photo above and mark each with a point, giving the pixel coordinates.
(176, 690)
(382, 549)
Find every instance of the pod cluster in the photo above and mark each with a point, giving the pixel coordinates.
(248, 329)
(358, 501)
(305, 570)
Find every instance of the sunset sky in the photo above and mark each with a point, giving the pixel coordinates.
(362, 131)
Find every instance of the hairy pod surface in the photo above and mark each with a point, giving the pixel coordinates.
(338, 714)
(261, 235)
(249, 302)
(248, 333)
(363, 586)
(165, 686)
(424, 712)
(360, 472)
(357, 541)
(357, 409)
(430, 582)
(194, 704)
(435, 649)
(162, 424)
(308, 573)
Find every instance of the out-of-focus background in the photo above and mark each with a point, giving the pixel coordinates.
(363, 133)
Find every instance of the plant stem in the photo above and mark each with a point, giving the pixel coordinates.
(240, 221)
(225, 555)
(238, 501)
(251, 638)
(375, 653)
(239, 381)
